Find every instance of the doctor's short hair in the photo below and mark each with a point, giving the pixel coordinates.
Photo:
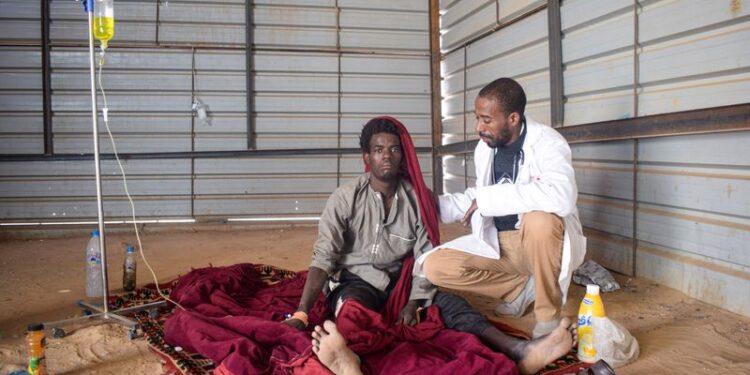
(508, 93)
(375, 126)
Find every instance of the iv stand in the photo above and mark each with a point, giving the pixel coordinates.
(97, 162)
(102, 312)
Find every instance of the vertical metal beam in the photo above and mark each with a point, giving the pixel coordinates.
(636, 65)
(463, 120)
(158, 17)
(249, 76)
(636, 79)
(339, 95)
(635, 206)
(436, 96)
(192, 133)
(46, 78)
(555, 63)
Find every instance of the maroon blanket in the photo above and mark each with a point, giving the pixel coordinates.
(233, 319)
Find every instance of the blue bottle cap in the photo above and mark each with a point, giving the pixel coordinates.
(130, 249)
(95, 233)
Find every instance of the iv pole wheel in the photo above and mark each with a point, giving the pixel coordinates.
(58, 333)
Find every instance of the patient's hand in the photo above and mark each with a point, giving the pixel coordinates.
(296, 323)
(408, 314)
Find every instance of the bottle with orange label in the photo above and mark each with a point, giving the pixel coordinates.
(36, 341)
(591, 307)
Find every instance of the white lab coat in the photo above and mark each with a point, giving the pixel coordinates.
(545, 182)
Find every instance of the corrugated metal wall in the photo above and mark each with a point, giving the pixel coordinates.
(321, 69)
(691, 193)
(467, 67)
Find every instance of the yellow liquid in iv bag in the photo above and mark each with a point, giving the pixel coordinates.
(103, 29)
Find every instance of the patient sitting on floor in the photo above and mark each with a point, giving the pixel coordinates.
(367, 229)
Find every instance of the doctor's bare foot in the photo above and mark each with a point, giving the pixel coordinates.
(330, 347)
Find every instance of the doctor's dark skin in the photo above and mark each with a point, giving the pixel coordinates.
(496, 128)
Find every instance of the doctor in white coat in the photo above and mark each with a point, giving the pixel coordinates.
(526, 237)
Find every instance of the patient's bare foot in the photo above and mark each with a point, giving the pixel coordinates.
(332, 352)
(544, 350)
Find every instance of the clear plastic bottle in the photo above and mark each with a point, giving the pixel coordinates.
(129, 270)
(94, 279)
(36, 342)
(104, 21)
(591, 306)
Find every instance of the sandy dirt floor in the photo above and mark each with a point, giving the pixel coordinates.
(42, 278)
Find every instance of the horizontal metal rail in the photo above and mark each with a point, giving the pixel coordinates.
(700, 121)
(195, 154)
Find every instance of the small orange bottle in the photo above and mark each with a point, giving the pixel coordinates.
(36, 342)
(591, 306)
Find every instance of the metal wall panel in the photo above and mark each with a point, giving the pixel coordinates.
(466, 70)
(453, 96)
(20, 20)
(20, 79)
(680, 217)
(692, 191)
(691, 55)
(188, 22)
(597, 51)
(263, 186)
(322, 68)
(320, 99)
(498, 55)
(719, 284)
(65, 190)
(21, 120)
(693, 196)
(695, 202)
(296, 27)
(604, 175)
(461, 20)
(510, 10)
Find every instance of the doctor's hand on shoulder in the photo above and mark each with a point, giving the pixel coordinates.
(466, 220)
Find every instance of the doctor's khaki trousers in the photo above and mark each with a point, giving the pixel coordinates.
(534, 249)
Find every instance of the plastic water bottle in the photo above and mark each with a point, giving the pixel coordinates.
(129, 270)
(94, 279)
(591, 306)
(36, 342)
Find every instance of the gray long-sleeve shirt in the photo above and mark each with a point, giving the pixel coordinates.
(355, 235)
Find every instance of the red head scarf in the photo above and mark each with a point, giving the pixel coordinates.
(413, 173)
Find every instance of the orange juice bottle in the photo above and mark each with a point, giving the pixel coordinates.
(591, 306)
(36, 341)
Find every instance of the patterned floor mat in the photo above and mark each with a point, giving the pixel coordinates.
(178, 361)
